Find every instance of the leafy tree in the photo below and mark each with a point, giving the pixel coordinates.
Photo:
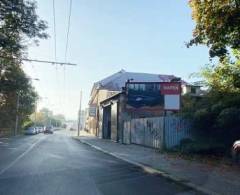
(45, 117)
(13, 84)
(217, 114)
(225, 76)
(19, 25)
(217, 25)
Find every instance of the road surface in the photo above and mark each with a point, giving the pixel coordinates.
(58, 164)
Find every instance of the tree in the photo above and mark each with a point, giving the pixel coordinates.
(15, 84)
(45, 116)
(225, 76)
(217, 25)
(19, 24)
(217, 114)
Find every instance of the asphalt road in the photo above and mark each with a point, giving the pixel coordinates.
(58, 164)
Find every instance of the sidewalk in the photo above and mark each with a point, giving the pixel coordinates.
(205, 178)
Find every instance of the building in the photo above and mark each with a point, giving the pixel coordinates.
(107, 102)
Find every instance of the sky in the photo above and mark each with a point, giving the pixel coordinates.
(106, 36)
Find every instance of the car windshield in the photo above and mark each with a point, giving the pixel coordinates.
(119, 97)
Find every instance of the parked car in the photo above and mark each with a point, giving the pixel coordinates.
(31, 131)
(37, 129)
(40, 129)
(72, 129)
(236, 151)
(48, 130)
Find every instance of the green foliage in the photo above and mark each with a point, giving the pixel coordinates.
(217, 114)
(208, 147)
(27, 124)
(217, 25)
(19, 24)
(45, 117)
(229, 118)
(225, 76)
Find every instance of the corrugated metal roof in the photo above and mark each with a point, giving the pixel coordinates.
(116, 81)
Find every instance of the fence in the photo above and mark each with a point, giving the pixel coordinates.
(156, 132)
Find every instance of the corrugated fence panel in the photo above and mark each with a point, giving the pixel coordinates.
(146, 131)
(153, 132)
(176, 129)
(126, 132)
(137, 131)
(150, 131)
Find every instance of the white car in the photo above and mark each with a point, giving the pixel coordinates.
(236, 151)
(40, 129)
(31, 131)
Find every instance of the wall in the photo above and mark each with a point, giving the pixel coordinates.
(186, 89)
(156, 132)
(94, 127)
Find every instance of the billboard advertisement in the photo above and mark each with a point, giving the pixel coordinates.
(144, 96)
(153, 96)
(170, 88)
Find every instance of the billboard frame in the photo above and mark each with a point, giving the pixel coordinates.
(142, 82)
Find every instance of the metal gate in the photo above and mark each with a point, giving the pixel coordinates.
(147, 131)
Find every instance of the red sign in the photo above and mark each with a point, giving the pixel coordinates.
(170, 88)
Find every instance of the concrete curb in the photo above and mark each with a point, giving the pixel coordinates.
(151, 170)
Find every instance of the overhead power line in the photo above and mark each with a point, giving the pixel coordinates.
(41, 61)
(66, 51)
(68, 28)
(54, 31)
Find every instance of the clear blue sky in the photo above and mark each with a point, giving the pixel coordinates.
(107, 36)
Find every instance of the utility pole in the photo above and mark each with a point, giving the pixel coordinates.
(35, 113)
(17, 108)
(79, 113)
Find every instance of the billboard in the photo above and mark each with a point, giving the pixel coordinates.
(153, 96)
(170, 88)
(144, 96)
(171, 92)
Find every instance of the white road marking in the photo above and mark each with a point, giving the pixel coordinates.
(55, 156)
(12, 148)
(20, 156)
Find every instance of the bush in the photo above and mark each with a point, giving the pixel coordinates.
(189, 146)
(203, 121)
(27, 124)
(228, 118)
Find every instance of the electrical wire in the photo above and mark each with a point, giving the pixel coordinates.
(66, 51)
(54, 31)
(68, 28)
(55, 51)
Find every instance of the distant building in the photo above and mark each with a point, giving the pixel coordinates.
(114, 85)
